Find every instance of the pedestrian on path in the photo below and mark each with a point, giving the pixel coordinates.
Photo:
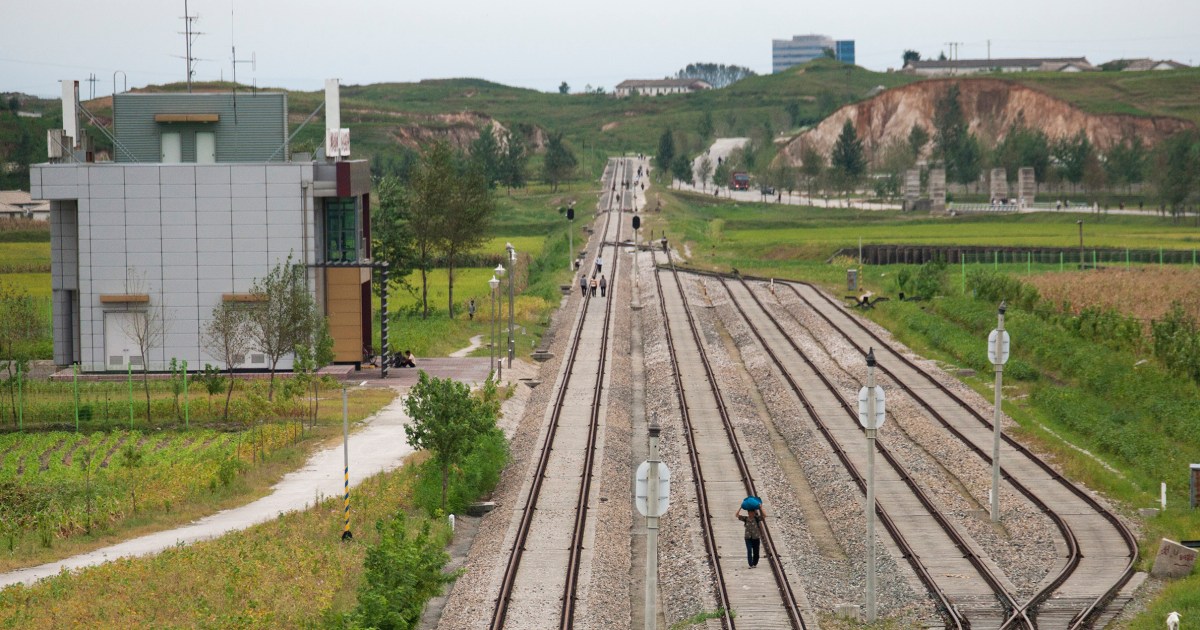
(583, 285)
(752, 519)
(599, 264)
(471, 308)
(593, 286)
(603, 286)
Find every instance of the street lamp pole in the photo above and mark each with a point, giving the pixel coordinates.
(492, 284)
(495, 333)
(512, 277)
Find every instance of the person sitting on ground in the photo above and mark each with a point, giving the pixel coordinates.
(406, 360)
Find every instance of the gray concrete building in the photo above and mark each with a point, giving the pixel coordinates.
(203, 199)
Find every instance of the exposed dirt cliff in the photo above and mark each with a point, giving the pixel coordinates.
(990, 107)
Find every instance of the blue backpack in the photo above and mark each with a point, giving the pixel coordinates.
(751, 503)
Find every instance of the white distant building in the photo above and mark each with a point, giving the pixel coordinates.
(659, 87)
(16, 204)
(1140, 65)
(948, 67)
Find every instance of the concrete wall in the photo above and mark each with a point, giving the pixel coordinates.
(184, 234)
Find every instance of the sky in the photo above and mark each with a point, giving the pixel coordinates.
(539, 44)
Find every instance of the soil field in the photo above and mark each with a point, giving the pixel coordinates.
(1144, 293)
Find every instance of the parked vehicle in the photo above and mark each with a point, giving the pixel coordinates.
(739, 180)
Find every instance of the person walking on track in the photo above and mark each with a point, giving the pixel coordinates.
(603, 286)
(752, 519)
(599, 264)
(593, 286)
(583, 285)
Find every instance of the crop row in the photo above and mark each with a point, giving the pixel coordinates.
(59, 484)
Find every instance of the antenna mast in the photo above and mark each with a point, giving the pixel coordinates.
(189, 39)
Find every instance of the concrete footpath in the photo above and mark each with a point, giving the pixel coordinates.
(376, 447)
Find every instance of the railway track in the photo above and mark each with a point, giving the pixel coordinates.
(977, 597)
(720, 469)
(1090, 572)
(1099, 560)
(539, 583)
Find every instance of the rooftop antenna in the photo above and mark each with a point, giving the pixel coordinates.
(190, 36)
(235, 61)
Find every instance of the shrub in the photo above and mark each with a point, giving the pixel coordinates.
(401, 573)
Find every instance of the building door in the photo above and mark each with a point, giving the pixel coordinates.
(120, 340)
(172, 148)
(206, 147)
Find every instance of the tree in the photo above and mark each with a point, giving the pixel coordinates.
(392, 237)
(681, 169)
(666, 150)
(812, 167)
(563, 88)
(705, 126)
(513, 162)
(226, 337)
(846, 159)
(716, 75)
(954, 145)
(486, 151)
(828, 53)
(704, 171)
(467, 220)
(145, 328)
(446, 420)
(431, 187)
(1126, 162)
(721, 175)
(895, 159)
(1177, 170)
(560, 162)
(911, 56)
(1022, 147)
(793, 111)
(1073, 155)
(282, 316)
(20, 321)
(918, 137)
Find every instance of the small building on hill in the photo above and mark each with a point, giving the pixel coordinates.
(1140, 65)
(957, 67)
(658, 87)
(16, 204)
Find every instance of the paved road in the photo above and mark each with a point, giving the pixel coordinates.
(377, 447)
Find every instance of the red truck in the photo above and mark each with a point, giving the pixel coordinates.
(739, 181)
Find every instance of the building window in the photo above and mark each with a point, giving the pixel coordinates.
(341, 233)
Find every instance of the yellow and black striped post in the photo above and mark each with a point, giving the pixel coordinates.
(346, 535)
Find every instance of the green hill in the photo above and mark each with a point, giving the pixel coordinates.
(385, 115)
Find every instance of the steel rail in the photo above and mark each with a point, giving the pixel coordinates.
(1035, 602)
(787, 595)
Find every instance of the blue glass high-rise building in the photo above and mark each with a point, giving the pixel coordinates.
(786, 53)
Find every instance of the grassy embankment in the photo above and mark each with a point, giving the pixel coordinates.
(1068, 391)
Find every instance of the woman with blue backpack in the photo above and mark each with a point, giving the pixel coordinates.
(752, 518)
